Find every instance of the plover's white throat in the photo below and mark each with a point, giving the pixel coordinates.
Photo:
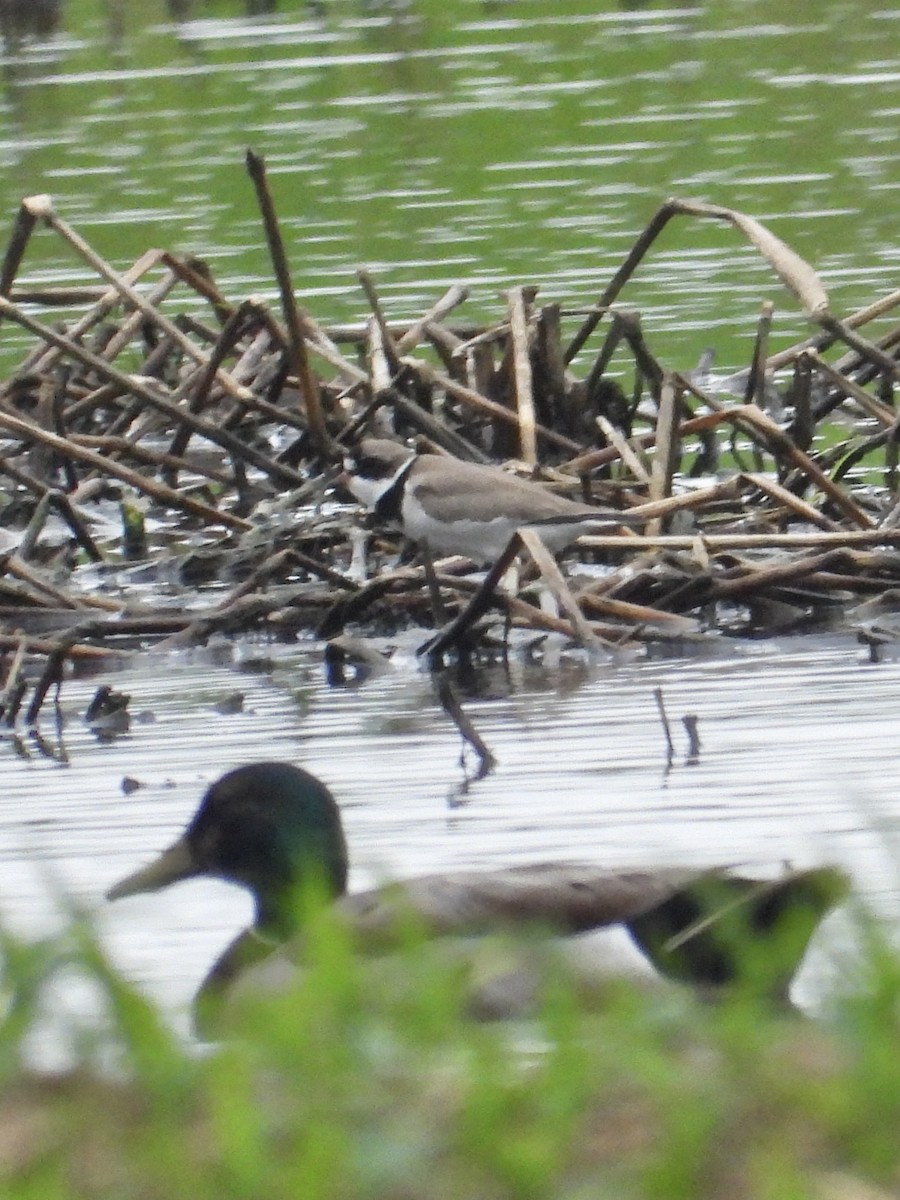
(456, 507)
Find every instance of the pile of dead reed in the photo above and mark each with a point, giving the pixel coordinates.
(221, 424)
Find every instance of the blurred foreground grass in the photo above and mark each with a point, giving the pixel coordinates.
(354, 1085)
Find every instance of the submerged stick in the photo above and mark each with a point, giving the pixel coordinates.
(11, 683)
(52, 675)
(453, 633)
(460, 718)
(661, 708)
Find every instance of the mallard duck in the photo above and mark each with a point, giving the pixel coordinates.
(276, 830)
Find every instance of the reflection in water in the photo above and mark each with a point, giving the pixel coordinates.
(187, 10)
(25, 26)
(24, 19)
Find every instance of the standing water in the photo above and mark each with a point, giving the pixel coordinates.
(796, 765)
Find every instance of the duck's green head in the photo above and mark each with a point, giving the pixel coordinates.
(271, 827)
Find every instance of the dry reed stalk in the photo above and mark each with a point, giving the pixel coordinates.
(442, 437)
(197, 276)
(756, 376)
(882, 413)
(643, 243)
(742, 541)
(385, 338)
(763, 426)
(229, 336)
(41, 647)
(452, 298)
(488, 407)
(107, 466)
(76, 522)
(309, 384)
(624, 449)
(43, 357)
(591, 460)
(811, 470)
(454, 633)
(58, 297)
(519, 300)
(136, 387)
(806, 512)
(124, 336)
(277, 564)
(26, 219)
(864, 348)
(821, 341)
(794, 272)
(119, 446)
(531, 617)
(493, 335)
(637, 614)
(666, 454)
(552, 364)
(43, 208)
(758, 577)
(378, 357)
(803, 427)
(697, 498)
(553, 577)
(459, 365)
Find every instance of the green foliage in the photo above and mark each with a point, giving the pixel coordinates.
(369, 1079)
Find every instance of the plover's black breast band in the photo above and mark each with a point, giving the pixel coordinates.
(390, 503)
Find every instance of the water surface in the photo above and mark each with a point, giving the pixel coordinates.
(490, 143)
(797, 765)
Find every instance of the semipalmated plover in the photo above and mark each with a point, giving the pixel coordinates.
(456, 507)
